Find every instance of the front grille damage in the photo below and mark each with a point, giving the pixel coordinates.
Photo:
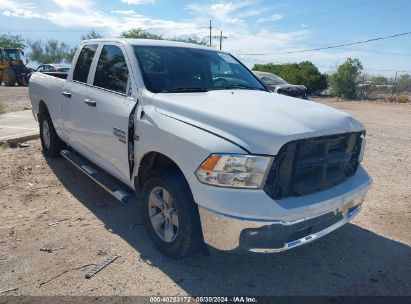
(314, 164)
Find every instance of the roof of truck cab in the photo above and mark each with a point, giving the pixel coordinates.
(152, 42)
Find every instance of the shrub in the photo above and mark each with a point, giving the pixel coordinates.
(402, 99)
(344, 82)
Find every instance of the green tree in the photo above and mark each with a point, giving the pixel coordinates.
(91, 35)
(305, 73)
(12, 41)
(380, 80)
(70, 55)
(404, 83)
(194, 40)
(52, 51)
(344, 81)
(139, 33)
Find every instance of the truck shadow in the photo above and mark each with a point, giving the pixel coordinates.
(350, 261)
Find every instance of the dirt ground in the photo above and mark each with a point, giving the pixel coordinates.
(15, 98)
(48, 202)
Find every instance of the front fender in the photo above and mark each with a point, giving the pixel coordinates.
(185, 144)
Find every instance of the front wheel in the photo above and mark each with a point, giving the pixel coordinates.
(9, 77)
(170, 215)
(50, 141)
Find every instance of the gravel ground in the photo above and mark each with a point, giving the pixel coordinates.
(15, 98)
(370, 256)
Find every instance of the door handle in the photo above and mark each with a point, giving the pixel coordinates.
(90, 102)
(66, 93)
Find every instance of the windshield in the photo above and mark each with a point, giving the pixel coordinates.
(12, 54)
(272, 80)
(178, 69)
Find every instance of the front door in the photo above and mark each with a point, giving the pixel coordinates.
(110, 102)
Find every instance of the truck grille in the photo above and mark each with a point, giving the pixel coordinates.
(309, 165)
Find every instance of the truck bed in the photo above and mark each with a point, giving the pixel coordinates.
(47, 88)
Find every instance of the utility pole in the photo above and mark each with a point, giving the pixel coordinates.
(393, 87)
(210, 32)
(221, 39)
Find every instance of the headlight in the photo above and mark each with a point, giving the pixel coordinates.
(239, 171)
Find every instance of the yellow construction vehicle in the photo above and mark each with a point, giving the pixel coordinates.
(12, 67)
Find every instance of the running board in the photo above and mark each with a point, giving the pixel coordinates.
(117, 189)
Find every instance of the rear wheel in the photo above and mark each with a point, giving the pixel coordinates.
(171, 215)
(50, 141)
(9, 77)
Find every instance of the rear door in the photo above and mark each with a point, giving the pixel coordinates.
(110, 103)
(76, 113)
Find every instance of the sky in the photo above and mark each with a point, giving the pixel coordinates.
(251, 26)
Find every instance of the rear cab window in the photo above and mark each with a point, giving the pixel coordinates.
(83, 63)
(111, 71)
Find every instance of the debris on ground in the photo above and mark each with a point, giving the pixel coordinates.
(3, 257)
(23, 145)
(102, 252)
(100, 266)
(65, 271)
(58, 222)
(38, 188)
(8, 290)
(49, 249)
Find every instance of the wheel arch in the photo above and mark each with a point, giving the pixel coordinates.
(42, 108)
(155, 161)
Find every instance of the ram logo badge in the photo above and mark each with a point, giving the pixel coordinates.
(121, 134)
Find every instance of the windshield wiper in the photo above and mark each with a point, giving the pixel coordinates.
(240, 86)
(183, 90)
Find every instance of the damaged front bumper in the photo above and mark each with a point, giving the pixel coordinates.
(229, 233)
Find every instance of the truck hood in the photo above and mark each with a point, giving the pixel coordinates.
(258, 121)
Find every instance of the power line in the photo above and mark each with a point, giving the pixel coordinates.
(328, 47)
(326, 12)
(360, 50)
(386, 11)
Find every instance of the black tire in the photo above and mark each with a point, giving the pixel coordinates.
(9, 77)
(188, 238)
(54, 146)
(23, 81)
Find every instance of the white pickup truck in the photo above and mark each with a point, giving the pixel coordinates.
(214, 156)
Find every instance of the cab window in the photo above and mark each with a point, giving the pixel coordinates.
(83, 63)
(112, 72)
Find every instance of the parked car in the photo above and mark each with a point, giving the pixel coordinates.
(215, 157)
(53, 69)
(280, 86)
